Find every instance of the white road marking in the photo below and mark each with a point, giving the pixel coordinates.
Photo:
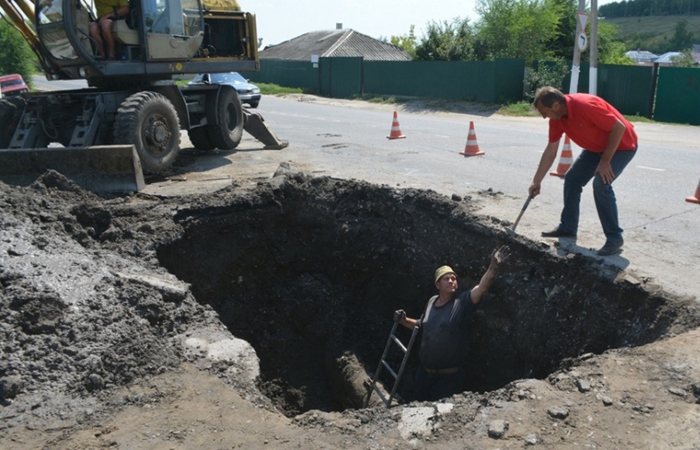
(652, 168)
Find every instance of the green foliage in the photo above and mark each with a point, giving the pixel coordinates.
(447, 41)
(275, 89)
(407, 42)
(549, 73)
(682, 38)
(610, 50)
(15, 54)
(519, 109)
(638, 8)
(562, 46)
(685, 59)
(654, 33)
(519, 28)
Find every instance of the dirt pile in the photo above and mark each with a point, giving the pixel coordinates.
(114, 310)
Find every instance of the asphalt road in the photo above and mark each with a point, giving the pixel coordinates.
(346, 139)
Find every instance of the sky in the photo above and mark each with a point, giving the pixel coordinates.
(279, 21)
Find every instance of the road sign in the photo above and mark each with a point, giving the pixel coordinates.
(582, 20)
(582, 41)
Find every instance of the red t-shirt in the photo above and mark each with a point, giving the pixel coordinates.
(588, 122)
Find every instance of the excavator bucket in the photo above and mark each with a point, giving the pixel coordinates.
(101, 169)
(254, 124)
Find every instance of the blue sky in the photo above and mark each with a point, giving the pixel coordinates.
(279, 21)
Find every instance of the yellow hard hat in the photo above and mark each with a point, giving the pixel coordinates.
(442, 271)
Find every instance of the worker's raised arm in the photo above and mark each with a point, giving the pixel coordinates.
(401, 319)
(497, 258)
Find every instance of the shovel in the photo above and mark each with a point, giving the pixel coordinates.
(512, 230)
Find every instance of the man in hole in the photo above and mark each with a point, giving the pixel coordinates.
(444, 326)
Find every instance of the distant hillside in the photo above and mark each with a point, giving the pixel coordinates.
(653, 33)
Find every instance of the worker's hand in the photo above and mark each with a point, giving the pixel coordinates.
(534, 189)
(399, 315)
(605, 171)
(499, 256)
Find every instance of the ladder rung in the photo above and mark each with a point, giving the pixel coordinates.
(399, 343)
(388, 367)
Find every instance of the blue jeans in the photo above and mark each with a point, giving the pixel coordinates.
(578, 175)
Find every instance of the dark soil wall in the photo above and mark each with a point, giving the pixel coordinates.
(308, 269)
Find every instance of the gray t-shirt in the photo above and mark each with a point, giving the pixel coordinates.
(444, 332)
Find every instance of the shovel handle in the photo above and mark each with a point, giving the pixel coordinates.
(527, 202)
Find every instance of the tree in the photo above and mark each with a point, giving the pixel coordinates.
(562, 46)
(682, 38)
(447, 41)
(407, 43)
(519, 28)
(610, 51)
(15, 54)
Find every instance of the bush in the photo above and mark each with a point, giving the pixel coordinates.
(548, 73)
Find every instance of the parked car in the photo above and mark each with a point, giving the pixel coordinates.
(248, 93)
(12, 85)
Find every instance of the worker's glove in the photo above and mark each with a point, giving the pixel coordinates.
(399, 315)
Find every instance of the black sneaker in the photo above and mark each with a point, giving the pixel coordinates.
(611, 248)
(557, 233)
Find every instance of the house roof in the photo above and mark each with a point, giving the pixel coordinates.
(666, 57)
(334, 43)
(641, 56)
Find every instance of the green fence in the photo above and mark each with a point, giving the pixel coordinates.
(487, 81)
(627, 88)
(678, 95)
(674, 97)
(340, 77)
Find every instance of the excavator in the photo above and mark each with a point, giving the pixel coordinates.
(128, 120)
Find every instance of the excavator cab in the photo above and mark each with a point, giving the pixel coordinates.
(156, 40)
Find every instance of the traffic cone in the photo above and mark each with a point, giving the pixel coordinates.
(695, 199)
(567, 158)
(472, 147)
(395, 130)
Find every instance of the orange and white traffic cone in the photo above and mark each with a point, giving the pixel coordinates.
(695, 199)
(472, 147)
(567, 158)
(395, 130)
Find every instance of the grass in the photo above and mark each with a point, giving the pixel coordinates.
(275, 89)
(519, 109)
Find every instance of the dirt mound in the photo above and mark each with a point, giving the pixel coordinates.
(104, 301)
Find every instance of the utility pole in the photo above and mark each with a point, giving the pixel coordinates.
(576, 62)
(593, 79)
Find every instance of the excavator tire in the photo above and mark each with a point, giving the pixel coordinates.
(148, 121)
(227, 133)
(200, 139)
(10, 112)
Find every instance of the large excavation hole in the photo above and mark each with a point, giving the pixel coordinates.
(310, 270)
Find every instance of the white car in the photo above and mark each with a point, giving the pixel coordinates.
(248, 93)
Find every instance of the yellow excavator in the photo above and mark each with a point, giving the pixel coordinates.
(128, 120)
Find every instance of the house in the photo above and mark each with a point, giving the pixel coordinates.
(642, 57)
(666, 59)
(334, 43)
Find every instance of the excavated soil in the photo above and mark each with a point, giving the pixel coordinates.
(252, 317)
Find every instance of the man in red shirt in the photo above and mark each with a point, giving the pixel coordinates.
(609, 143)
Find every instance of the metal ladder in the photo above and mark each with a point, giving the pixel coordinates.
(384, 364)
